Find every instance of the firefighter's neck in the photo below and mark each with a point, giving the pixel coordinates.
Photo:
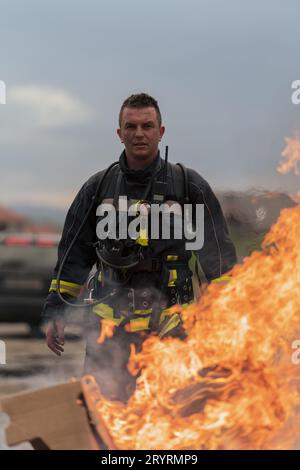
(135, 162)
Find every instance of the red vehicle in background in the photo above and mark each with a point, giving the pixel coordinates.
(26, 265)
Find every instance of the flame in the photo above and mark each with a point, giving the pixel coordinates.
(231, 383)
(106, 331)
(292, 154)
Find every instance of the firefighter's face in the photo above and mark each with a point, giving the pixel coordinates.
(140, 132)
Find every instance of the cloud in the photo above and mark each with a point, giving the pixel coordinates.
(48, 107)
(23, 186)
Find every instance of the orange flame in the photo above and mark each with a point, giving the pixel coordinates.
(292, 154)
(231, 383)
(107, 331)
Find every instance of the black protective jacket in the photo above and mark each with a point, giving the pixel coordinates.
(217, 256)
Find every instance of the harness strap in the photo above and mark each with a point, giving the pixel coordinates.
(149, 265)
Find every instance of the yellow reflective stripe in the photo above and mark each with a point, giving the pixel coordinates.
(66, 288)
(198, 275)
(172, 323)
(143, 312)
(221, 279)
(173, 272)
(139, 324)
(63, 291)
(107, 313)
(172, 277)
(67, 283)
(164, 314)
(100, 276)
(142, 240)
(169, 312)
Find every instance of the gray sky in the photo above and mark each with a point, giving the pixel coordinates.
(221, 71)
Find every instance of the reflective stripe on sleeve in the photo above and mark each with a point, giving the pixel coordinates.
(65, 288)
(138, 324)
(174, 321)
(221, 279)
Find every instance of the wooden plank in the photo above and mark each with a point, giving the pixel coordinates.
(92, 396)
(49, 418)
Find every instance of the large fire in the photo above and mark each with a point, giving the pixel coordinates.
(232, 382)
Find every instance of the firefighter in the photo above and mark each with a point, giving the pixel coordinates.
(136, 280)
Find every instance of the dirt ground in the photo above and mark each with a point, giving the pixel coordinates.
(30, 364)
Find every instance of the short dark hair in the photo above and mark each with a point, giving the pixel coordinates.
(140, 100)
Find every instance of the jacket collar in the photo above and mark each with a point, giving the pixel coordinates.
(143, 174)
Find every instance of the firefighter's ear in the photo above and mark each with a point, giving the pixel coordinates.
(120, 135)
(161, 132)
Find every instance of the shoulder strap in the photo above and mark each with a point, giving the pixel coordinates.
(113, 171)
(179, 177)
(180, 182)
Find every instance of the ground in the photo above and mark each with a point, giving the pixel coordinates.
(30, 364)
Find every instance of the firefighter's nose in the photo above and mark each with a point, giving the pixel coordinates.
(139, 132)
